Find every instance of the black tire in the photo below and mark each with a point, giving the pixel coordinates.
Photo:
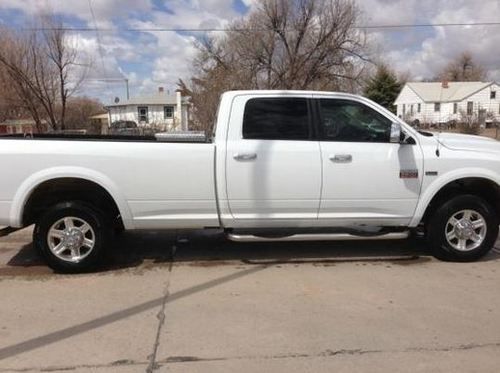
(437, 225)
(100, 232)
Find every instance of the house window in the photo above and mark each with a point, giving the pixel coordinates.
(470, 107)
(168, 112)
(418, 108)
(411, 109)
(143, 114)
(404, 109)
(437, 106)
(493, 95)
(455, 108)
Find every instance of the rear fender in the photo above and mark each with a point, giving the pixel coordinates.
(31, 183)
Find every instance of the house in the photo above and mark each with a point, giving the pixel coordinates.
(26, 126)
(168, 112)
(443, 102)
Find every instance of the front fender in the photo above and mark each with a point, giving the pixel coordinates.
(432, 189)
(33, 181)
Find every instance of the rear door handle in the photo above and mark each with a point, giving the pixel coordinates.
(341, 158)
(245, 156)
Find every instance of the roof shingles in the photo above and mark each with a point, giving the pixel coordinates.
(456, 91)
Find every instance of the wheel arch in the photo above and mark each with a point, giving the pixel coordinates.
(73, 179)
(483, 185)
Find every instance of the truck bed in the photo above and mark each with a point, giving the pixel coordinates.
(158, 184)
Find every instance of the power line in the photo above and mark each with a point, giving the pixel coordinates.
(169, 29)
(423, 25)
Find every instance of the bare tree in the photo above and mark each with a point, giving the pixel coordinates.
(78, 113)
(463, 69)
(43, 70)
(64, 57)
(18, 72)
(10, 106)
(300, 44)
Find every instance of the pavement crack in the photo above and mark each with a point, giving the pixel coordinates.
(325, 353)
(328, 353)
(463, 347)
(161, 315)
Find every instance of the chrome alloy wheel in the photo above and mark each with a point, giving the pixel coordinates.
(71, 239)
(466, 230)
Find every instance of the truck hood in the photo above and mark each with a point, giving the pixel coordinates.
(457, 141)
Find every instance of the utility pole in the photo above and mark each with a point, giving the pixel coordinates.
(128, 94)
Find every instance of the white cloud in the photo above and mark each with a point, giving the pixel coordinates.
(424, 51)
(249, 3)
(105, 11)
(193, 14)
(166, 55)
(174, 51)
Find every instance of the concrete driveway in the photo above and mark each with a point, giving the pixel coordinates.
(197, 303)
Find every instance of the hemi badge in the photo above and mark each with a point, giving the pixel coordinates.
(431, 173)
(408, 174)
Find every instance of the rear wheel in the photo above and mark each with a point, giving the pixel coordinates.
(462, 229)
(72, 237)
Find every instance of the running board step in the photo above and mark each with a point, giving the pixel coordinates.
(318, 237)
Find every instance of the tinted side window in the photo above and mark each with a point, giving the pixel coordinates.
(350, 121)
(276, 119)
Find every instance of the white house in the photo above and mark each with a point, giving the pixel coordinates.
(170, 112)
(441, 102)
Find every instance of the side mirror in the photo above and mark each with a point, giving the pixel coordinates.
(395, 133)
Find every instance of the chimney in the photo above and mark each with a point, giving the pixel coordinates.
(444, 84)
(161, 90)
(178, 96)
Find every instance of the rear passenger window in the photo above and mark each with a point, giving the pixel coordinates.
(276, 119)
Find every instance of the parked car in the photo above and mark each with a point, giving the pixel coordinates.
(282, 166)
(124, 127)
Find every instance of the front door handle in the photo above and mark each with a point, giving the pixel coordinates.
(245, 156)
(341, 158)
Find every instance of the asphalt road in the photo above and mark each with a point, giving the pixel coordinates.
(178, 303)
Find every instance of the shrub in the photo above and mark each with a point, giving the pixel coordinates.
(469, 124)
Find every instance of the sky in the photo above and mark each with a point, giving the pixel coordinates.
(153, 59)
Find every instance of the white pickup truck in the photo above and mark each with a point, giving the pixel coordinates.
(282, 165)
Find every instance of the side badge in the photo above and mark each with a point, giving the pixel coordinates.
(408, 174)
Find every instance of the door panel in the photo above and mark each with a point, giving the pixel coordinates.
(282, 182)
(273, 168)
(366, 179)
(369, 187)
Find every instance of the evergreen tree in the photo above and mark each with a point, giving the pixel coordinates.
(383, 87)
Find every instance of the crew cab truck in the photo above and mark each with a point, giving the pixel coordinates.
(281, 165)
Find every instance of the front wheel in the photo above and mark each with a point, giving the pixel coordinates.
(72, 237)
(463, 229)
